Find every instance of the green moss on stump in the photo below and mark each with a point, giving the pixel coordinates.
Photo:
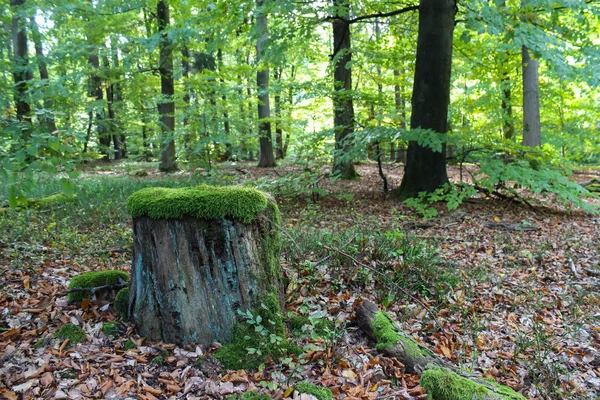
(235, 355)
(203, 201)
(443, 384)
(387, 337)
(319, 392)
(92, 280)
(121, 303)
(72, 332)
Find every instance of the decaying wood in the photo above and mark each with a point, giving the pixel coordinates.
(190, 277)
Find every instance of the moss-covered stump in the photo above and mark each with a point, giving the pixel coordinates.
(201, 254)
(440, 379)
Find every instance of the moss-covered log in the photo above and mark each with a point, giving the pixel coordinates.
(199, 255)
(441, 380)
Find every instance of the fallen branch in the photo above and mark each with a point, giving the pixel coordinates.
(573, 269)
(439, 378)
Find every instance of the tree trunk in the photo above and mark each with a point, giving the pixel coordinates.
(190, 276)
(95, 90)
(531, 101)
(401, 111)
(278, 130)
(267, 158)
(167, 90)
(343, 108)
(425, 169)
(118, 103)
(20, 61)
(110, 121)
(185, 64)
(49, 123)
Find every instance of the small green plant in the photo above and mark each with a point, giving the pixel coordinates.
(72, 332)
(321, 393)
(159, 360)
(111, 328)
(129, 345)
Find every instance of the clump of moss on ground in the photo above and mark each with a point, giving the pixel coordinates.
(235, 355)
(92, 280)
(297, 323)
(72, 332)
(319, 392)
(387, 336)
(203, 201)
(111, 328)
(129, 345)
(443, 384)
(121, 304)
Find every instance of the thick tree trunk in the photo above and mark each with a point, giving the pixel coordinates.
(49, 122)
(190, 276)
(441, 379)
(267, 158)
(20, 61)
(343, 107)
(531, 101)
(425, 169)
(167, 90)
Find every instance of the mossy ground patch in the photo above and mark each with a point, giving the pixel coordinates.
(92, 280)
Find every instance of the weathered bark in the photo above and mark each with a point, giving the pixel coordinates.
(531, 101)
(425, 169)
(48, 119)
(436, 374)
(190, 276)
(267, 158)
(343, 107)
(167, 90)
(20, 61)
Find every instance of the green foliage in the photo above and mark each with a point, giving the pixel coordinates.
(209, 202)
(159, 360)
(129, 345)
(443, 384)
(262, 334)
(319, 392)
(451, 194)
(72, 332)
(121, 303)
(92, 280)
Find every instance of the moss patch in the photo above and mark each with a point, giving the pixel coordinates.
(72, 332)
(298, 322)
(387, 336)
(254, 395)
(319, 392)
(203, 201)
(443, 384)
(111, 328)
(121, 303)
(129, 345)
(94, 279)
(236, 355)
(159, 360)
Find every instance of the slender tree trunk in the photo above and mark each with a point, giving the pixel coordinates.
(110, 121)
(185, 63)
(531, 101)
(95, 90)
(343, 108)
(267, 158)
(49, 122)
(507, 111)
(425, 168)
(290, 103)
(167, 90)
(20, 61)
(226, 123)
(400, 110)
(278, 130)
(117, 103)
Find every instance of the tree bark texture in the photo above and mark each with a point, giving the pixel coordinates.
(20, 60)
(191, 276)
(400, 155)
(343, 107)
(531, 101)
(167, 90)
(267, 158)
(426, 169)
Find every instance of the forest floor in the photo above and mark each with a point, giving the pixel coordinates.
(502, 289)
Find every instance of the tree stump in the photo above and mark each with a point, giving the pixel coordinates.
(200, 254)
